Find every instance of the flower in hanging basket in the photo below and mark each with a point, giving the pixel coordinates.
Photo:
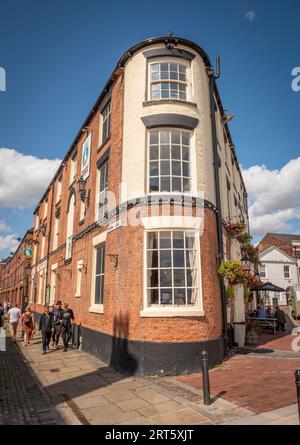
(230, 294)
(231, 270)
(235, 229)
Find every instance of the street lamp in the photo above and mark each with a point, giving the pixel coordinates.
(245, 263)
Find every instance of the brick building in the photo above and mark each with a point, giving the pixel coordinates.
(140, 276)
(15, 273)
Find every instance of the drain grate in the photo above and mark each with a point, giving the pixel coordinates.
(75, 408)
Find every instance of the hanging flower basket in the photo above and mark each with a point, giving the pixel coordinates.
(231, 270)
(230, 294)
(235, 229)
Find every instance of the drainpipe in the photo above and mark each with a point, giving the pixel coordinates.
(49, 239)
(218, 196)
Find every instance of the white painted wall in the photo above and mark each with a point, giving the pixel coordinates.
(275, 260)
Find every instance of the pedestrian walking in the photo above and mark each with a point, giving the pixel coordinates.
(66, 326)
(1, 315)
(27, 325)
(14, 315)
(46, 326)
(281, 321)
(57, 316)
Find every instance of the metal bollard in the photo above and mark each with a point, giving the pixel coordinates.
(205, 378)
(297, 381)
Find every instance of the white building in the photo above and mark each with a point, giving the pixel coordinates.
(280, 269)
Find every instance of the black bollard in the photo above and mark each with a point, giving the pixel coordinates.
(297, 381)
(205, 378)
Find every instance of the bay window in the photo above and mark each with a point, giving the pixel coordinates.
(169, 161)
(172, 268)
(168, 81)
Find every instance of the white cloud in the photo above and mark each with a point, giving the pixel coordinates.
(24, 178)
(8, 243)
(274, 197)
(3, 226)
(250, 15)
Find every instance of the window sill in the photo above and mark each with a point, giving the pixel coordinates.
(58, 202)
(149, 103)
(172, 313)
(97, 309)
(68, 260)
(103, 144)
(81, 222)
(77, 295)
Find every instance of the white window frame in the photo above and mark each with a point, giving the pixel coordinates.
(106, 115)
(101, 195)
(78, 278)
(55, 232)
(58, 189)
(180, 224)
(170, 60)
(286, 269)
(53, 279)
(192, 163)
(265, 271)
(97, 241)
(73, 167)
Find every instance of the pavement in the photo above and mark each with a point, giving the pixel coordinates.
(75, 388)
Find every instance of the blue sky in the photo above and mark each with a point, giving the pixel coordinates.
(58, 55)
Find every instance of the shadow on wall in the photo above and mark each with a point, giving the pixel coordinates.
(121, 359)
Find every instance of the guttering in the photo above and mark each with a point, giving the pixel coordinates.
(218, 200)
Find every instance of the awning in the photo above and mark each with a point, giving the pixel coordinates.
(268, 287)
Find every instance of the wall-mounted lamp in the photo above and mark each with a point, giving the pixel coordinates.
(245, 263)
(114, 257)
(42, 229)
(81, 187)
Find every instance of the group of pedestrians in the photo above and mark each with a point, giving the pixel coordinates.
(55, 321)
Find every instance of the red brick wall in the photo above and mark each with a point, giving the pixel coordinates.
(272, 240)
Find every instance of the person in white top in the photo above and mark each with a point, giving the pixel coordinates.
(14, 315)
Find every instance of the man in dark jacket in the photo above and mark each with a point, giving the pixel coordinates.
(66, 326)
(280, 315)
(46, 325)
(57, 315)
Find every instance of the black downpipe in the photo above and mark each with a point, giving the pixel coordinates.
(218, 204)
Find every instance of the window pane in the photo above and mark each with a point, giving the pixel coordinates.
(153, 296)
(186, 185)
(178, 258)
(165, 258)
(176, 185)
(191, 296)
(165, 278)
(154, 184)
(165, 240)
(176, 168)
(153, 259)
(154, 137)
(179, 277)
(178, 240)
(175, 137)
(99, 289)
(154, 152)
(165, 152)
(165, 94)
(185, 154)
(154, 169)
(153, 276)
(179, 296)
(164, 67)
(165, 184)
(175, 152)
(190, 240)
(166, 296)
(153, 240)
(100, 260)
(165, 167)
(185, 138)
(164, 137)
(185, 169)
